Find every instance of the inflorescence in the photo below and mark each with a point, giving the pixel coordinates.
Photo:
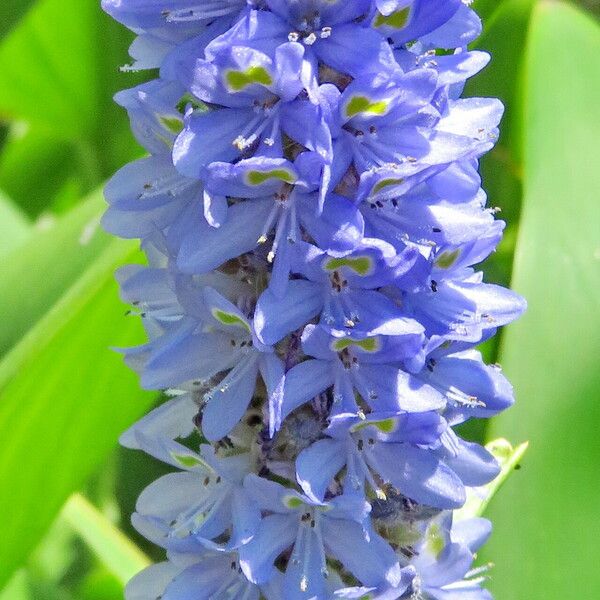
(311, 210)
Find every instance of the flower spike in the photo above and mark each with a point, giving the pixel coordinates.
(312, 213)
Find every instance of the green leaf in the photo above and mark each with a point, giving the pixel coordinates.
(99, 584)
(114, 549)
(64, 399)
(486, 8)
(14, 226)
(17, 588)
(44, 81)
(509, 459)
(47, 567)
(34, 276)
(58, 73)
(36, 166)
(547, 519)
(10, 13)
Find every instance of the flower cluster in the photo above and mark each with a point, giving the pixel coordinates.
(311, 210)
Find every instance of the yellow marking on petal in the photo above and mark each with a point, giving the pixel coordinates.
(199, 519)
(189, 461)
(397, 20)
(292, 501)
(389, 182)
(435, 540)
(258, 177)
(229, 319)
(361, 265)
(446, 259)
(362, 104)
(370, 344)
(238, 80)
(173, 124)
(384, 425)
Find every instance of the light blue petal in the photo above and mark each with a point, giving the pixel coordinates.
(172, 419)
(209, 137)
(274, 535)
(317, 465)
(193, 356)
(467, 592)
(474, 464)
(245, 516)
(388, 388)
(275, 317)
(272, 372)
(461, 29)
(303, 382)
(304, 577)
(227, 402)
(173, 453)
(426, 16)
(372, 562)
(342, 52)
(215, 209)
(210, 247)
(221, 308)
(151, 582)
(270, 495)
(212, 578)
(473, 533)
(450, 566)
(418, 474)
(481, 386)
(338, 229)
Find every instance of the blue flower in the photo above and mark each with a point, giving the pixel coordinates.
(357, 364)
(255, 90)
(164, 27)
(282, 208)
(414, 452)
(312, 529)
(154, 14)
(204, 575)
(448, 24)
(342, 290)
(327, 29)
(185, 511)
(444, 557)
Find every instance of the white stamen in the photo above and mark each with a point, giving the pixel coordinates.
(310, 39)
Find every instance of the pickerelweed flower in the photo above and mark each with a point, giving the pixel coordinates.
(312, 214)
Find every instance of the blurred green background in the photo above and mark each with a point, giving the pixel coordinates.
(66, 489)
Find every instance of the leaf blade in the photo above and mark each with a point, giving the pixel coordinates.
(14, 226)
(10, 13)
(114, 549)
(34, 276)
(63, 385)
(550, 355)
